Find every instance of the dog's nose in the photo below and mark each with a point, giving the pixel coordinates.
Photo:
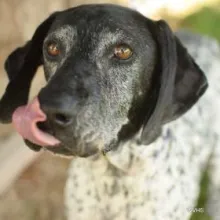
(56, 110)
(58, 115)
(61, 100)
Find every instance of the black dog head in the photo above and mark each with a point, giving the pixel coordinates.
(110, 73)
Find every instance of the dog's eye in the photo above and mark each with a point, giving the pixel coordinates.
(122, 52)
(53, 49)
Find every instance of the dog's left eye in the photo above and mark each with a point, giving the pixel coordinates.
(122, 52)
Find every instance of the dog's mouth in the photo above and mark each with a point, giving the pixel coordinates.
(58, 149)
(30, 122)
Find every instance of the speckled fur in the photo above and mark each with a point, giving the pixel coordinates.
(160, 181)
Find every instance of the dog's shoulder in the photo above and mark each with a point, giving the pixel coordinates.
(206, 52)
(204, 49)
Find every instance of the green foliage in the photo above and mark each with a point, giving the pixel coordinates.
(202, 200)
(206, 21)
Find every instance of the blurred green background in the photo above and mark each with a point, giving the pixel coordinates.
(206, 21)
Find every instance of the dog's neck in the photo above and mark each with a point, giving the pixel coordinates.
(126, 157)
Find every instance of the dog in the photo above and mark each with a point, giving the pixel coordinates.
(127, 100)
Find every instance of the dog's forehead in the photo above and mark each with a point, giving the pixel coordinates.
(98, 18)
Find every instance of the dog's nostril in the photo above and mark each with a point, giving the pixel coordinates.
(62, 119)
(57, 114)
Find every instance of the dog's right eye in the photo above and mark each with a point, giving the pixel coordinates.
(53, 49)
(122, 52)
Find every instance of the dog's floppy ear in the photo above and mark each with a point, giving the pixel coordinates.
(16, 60)
(21, 66)
(181, 82)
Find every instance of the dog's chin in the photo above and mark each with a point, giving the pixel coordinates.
(63, 150)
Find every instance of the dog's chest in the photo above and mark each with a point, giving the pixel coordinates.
(159, 181)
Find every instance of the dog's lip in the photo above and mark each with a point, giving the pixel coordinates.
(60, 149)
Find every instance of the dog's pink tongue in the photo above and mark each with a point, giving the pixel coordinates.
(25, 120)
